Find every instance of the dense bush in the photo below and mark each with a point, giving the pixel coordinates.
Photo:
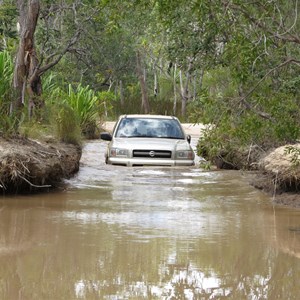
(266, 119)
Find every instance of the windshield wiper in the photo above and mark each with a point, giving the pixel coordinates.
(175, 137)
(138, 136)
(156, 137)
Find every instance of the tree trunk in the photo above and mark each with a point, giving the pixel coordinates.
(25, 74)
(184, 95)
(175, 91)
(194, 87)
(185, 90)
(28, 71)
(155, 89)
(201, 78)
(141, 75)
(121, 94)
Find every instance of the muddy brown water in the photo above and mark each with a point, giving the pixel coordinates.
(148, 233)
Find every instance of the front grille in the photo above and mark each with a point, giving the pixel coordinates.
(152, 153)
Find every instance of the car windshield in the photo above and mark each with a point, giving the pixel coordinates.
(149, 127)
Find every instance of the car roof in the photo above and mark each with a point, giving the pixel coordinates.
(147, 116)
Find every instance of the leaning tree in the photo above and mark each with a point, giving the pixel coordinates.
(32, 61)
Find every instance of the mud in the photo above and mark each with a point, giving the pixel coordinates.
(29, 166)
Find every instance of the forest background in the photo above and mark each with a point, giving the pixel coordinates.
(66, 66)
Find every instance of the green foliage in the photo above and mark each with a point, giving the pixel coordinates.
(256, 101)
(193, 32)
(105, 102)
(60, 120)
(245, 96)
(218, 99)
(270, 118)
(241, 53)
(286, 113)
(36, 130)
(132, 100)
(8, 123)
(50, 84)
(6, 73)
(211, 144)
(205, 165)
(291, 86)
(8, 14)
(65, 124)
(85, 104)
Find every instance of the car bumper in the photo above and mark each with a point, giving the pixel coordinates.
(130, 162)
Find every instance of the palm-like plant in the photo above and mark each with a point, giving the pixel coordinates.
(6, 73)
(84, 102)
(8, 123)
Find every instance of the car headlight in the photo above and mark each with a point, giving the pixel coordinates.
(185, 154)
(118, 152)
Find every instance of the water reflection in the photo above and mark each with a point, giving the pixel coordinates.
(154, 233)
(185, 283)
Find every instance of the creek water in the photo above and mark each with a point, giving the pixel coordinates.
(148, 233)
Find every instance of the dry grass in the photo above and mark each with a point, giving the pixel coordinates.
(27, 165)
(282, 165)
(282, 176)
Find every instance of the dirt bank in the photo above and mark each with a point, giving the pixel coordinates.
(280, 175)
(29, 166)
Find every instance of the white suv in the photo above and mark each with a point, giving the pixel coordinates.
(139, 140)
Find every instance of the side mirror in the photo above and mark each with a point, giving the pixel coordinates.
(188, 138)
(105, 136)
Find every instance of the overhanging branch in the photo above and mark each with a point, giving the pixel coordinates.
(48, 66)
(247, 104)
(287, 35)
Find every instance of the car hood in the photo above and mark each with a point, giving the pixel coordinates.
(150, 144)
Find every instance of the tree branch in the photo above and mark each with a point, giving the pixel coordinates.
(73, 40)
(285, 36)
(59, 55)
(247, 104)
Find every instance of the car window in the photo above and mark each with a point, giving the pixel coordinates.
(152, 128)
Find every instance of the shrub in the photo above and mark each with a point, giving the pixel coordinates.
(66, 125)
(84, 104)
(8, 123)
(6, 73)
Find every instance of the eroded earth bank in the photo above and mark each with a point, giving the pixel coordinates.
(29, 166)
